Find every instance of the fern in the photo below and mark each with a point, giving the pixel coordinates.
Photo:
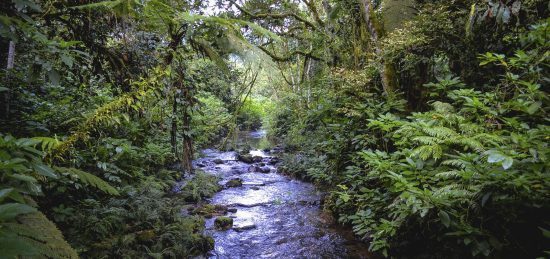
(428, 140)
(453, 174)
(425, 152)
(32, 234)
(440, 132)
(47, 143)
(89, 179)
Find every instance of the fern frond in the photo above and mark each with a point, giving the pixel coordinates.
(47, 143)
(471, 143)
(440, 132)
(457, 163)
(89, 179)
(453, 174)
(427, 151)
(35, 230)
(425, 140)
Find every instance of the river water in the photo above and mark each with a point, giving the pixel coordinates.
(276, 216)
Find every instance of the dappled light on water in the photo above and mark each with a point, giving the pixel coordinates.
(273, 215)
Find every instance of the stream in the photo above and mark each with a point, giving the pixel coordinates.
(276, 216)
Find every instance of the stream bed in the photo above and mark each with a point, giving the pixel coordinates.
(274, 216)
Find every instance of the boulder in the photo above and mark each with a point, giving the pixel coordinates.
(245, 158)
(218, 161)
(223, 223)
(265, 169)
(257, 159)
(235, 182)
(244, 227)
(209, 210)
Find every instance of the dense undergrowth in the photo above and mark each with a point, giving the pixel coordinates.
(457, 169)
(99, 121)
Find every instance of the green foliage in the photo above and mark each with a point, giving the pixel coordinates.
(200, 187)
(88, 179)
(466, 176)
(252, 113)
(210, 121)
(24, 230)
(144, 220)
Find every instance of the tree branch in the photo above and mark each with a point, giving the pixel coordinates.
(275, 16)
(289, 56)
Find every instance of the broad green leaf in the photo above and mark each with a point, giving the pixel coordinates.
(24, 178)
(534, 107)
(445, 219)
(68, 60)
(9, 211)
(44, 170)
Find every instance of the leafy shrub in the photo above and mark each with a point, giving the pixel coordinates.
(466, 177)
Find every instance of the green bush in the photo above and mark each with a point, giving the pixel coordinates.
(467, 177)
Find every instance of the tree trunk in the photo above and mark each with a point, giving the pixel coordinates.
(11, 55)
(174, 129)
(9, 66)
(188, 152)
(376, 31)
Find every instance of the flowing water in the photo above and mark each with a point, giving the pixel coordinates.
(276, 216)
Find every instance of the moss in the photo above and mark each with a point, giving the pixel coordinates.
(235, 182)
(223, 223)
(209, 210)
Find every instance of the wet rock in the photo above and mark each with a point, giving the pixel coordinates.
(255, 188)
(267, 150)
(254, 169)
(244, 227)
(257, 159)
(273, 160)
(232, 210)
(218, 161)
(223, 223)
(261, 164)
(200, 165)
(209, 210)
(235, 182)
(257, 169)
(245, 158)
